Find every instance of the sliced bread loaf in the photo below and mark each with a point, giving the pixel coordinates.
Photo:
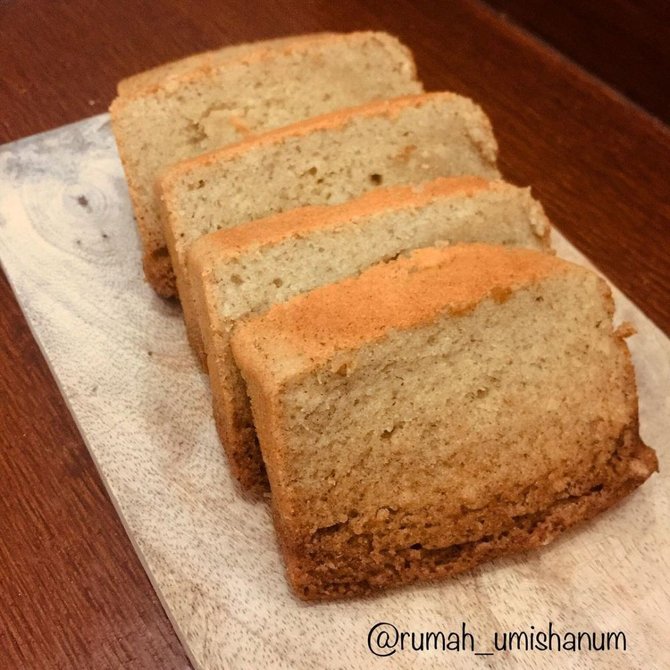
(438, 411)
(325, 160)
(189, 110)
(242, 271)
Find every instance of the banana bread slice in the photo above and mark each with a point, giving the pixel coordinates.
(438, 411)
(242, 271)
(325, 160)
(193, 106)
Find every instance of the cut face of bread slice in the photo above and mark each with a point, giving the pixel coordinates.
(326, 160)
(245, 270)
(166, 73)
(194, 106)
(437, 411)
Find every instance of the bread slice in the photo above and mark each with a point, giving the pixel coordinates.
(326, 160)
(438, 411)
(189, 110)
(244, 270)
(163, 74)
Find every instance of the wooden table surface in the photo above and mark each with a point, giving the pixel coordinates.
(72, 591)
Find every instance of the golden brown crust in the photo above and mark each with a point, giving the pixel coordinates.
(265, 50)
(272, 229)
(159, 273)
(311, 328)
(149, 80)
(357, 568)
(206, 251)
(333, 120)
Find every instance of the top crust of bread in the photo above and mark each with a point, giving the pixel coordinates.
(150, 80)
(307, 332)
(256, 53)
(270, 230)
(334, 120)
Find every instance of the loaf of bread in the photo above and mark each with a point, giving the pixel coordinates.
(242, 271)
(438, 411)
(325, 160)
(186, 108)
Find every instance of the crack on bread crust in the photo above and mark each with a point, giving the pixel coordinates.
(357, 564)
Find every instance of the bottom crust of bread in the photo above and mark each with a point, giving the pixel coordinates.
(245, 464)
(195, 340)
(159, 273)
(193, 333)
(326, 568)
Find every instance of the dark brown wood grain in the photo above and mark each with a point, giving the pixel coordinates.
(624, 42)
(72, 592)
